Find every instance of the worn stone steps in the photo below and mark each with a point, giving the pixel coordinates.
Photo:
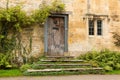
(63, 64)
(62, 60)
(68, 69)
(59, 57)
(50, 66)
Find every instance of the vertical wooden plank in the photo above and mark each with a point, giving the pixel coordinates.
(62, 36)
(50, 35)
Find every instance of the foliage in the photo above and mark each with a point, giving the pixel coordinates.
(105, 58)
(13, 18)
(5, 61)
(117, 66)
(108, 68)
(11, 21)
(57, 6)
(24, 67)
(40, 15)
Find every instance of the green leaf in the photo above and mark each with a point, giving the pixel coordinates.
(8, 17)
(2, 36)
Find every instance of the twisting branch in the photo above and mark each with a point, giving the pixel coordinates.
(7, 4)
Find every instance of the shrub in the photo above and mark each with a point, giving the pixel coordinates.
(110, 63)
(5, 61)
(94, 63)
(117, 66)
(108, 68)
(105, 58)
(24, 67)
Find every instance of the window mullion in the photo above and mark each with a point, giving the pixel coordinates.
(95, 27)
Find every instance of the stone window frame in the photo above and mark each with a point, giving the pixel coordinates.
(95, 28)
(95, 18)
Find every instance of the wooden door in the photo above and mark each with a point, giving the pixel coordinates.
(56, 35)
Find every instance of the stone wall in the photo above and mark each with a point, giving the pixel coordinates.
(33, 38)
(78, 39)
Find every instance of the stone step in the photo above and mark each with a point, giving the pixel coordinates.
(62, 60)
(59, 57)
(57, 70)
(63, 64)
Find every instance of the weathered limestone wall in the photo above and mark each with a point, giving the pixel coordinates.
(32, 38)
(27, 5)
(114, 12)
(78, 39)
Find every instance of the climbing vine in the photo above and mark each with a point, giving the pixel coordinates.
(13, 19)
(116, 36)
(40, 15)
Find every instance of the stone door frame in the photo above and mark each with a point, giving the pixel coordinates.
(65, 16)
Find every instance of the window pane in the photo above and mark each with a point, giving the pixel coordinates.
(99, 27)
(91, 27)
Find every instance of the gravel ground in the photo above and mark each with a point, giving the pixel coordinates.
(70, 77)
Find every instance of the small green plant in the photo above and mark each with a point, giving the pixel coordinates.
(5, 61)
(94, 63)
(108, 68)
(117, 66)
(24, 67)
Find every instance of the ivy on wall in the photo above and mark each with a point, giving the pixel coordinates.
(13, 19)
(116, 36)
